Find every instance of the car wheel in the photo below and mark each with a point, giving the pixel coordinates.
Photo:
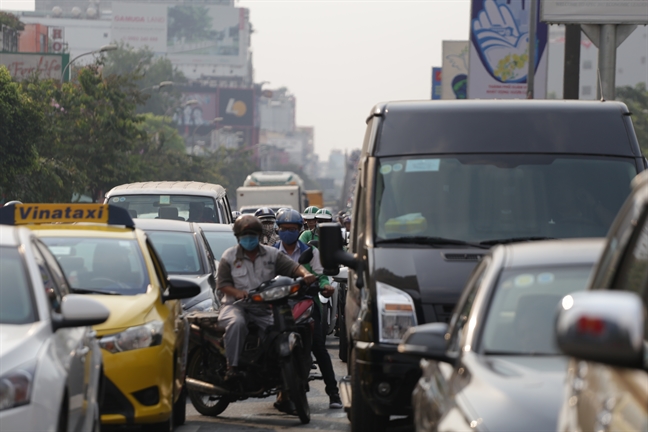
(362, 416)
(180, 408)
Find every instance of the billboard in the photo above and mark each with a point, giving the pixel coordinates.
(499, 41)
(455, 69)
(236, 106)
(24, 65)
(18, 5)
(196, 117)
(187, 34)
(436, 83)
(595, 12)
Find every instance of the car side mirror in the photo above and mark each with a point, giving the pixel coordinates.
(427, 341)
(603, 326)
(77, 310)
(332, 253)
(180, 289)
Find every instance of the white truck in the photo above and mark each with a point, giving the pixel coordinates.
(250, 198)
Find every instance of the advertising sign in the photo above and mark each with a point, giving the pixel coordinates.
(595, 11)
(455, 69)
(499, 41)
(140, 25)
(57, 39)
(236, 106)
(23, 65)
(436, 83)
(199, 34)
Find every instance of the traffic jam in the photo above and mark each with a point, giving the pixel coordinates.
(499, 287)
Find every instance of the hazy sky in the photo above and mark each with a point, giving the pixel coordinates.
(339, 58)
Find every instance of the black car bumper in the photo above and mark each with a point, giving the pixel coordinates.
(387, 377)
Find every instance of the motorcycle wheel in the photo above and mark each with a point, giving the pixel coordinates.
(295, 385)
(209, 405)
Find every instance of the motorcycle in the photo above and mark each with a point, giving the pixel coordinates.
(278, 359)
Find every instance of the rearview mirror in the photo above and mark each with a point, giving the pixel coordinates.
(331, 249)
(180, 289)
(427, 341)
(77, 310)
(603, 326)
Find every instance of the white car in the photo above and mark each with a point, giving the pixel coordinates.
(50, 362)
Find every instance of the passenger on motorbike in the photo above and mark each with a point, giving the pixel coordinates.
(289, 222)
(242, 268)
(322, 215)
(267, 218)
(309, 217)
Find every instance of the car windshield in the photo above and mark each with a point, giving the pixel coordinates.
(178, 250)
(520, 318)
(499, 198)
(174, 207)
(101, 265)
(16, 303)
(220, 241)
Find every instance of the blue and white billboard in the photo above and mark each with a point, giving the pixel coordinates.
(436, 83)
(499, 57)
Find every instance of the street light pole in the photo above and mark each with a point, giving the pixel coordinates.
(103, 49)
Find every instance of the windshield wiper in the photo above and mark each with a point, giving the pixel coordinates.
(513, 240)
(431, 241)
(93, 291)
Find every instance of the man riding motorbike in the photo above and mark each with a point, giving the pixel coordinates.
(242, 268)
(267, 218)
(289, 222)
(321, 216)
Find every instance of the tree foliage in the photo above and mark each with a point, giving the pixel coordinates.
(11, 21)
(637, 100)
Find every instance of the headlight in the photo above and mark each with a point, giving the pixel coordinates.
(275, 293)
(143, 336)
(203, 306)
(16, 386)
(396, 313)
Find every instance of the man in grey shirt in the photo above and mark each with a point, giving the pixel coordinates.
(242, 268)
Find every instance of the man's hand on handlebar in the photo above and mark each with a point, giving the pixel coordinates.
(327, 291)
(310, 279)
(240, 294)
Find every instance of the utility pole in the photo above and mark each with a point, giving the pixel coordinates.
(533, 19)
(571, 74)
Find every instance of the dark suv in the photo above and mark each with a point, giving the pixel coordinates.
(439, 183)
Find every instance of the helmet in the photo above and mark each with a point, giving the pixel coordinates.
(309, 213)
(324, 215)
(264, 213)
(8, 203)
(247, 224)
(289, 216)
(347, 219)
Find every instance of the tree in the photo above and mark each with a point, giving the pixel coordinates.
(19, 130)
(147, 72)
(11, 21)
(636, 98)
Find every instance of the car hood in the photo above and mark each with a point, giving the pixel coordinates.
(205, 289)
(21, 343)
(514, 393)
(429, 275)
(125, 311)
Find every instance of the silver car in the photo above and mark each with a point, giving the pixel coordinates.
(50, 361)
(497, 366)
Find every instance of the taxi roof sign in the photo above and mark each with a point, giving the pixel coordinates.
(21, 214)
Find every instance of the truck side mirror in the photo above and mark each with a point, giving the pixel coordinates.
(332, 253)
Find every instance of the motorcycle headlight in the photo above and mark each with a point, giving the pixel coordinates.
(275, 293)
(203, 306)
(144, 336)
(16, 386)
(396, 313)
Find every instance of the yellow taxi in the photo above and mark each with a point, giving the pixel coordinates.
(145, 340)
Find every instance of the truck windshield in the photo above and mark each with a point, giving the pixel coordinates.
(175, 207)
(490, 199)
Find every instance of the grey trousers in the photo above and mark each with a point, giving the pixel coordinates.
(235, 318)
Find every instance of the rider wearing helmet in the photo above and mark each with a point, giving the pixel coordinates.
(267, 218)
(309, 217)
(322, 215)
(242, 268)
(289, 222)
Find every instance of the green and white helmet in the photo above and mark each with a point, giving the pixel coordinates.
(324, 215)
(310, 212)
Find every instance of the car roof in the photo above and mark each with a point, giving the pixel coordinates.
(164, 225)
(211, 227)
(551, 252)
(9, 235)
(83, 230)
(162, 187)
